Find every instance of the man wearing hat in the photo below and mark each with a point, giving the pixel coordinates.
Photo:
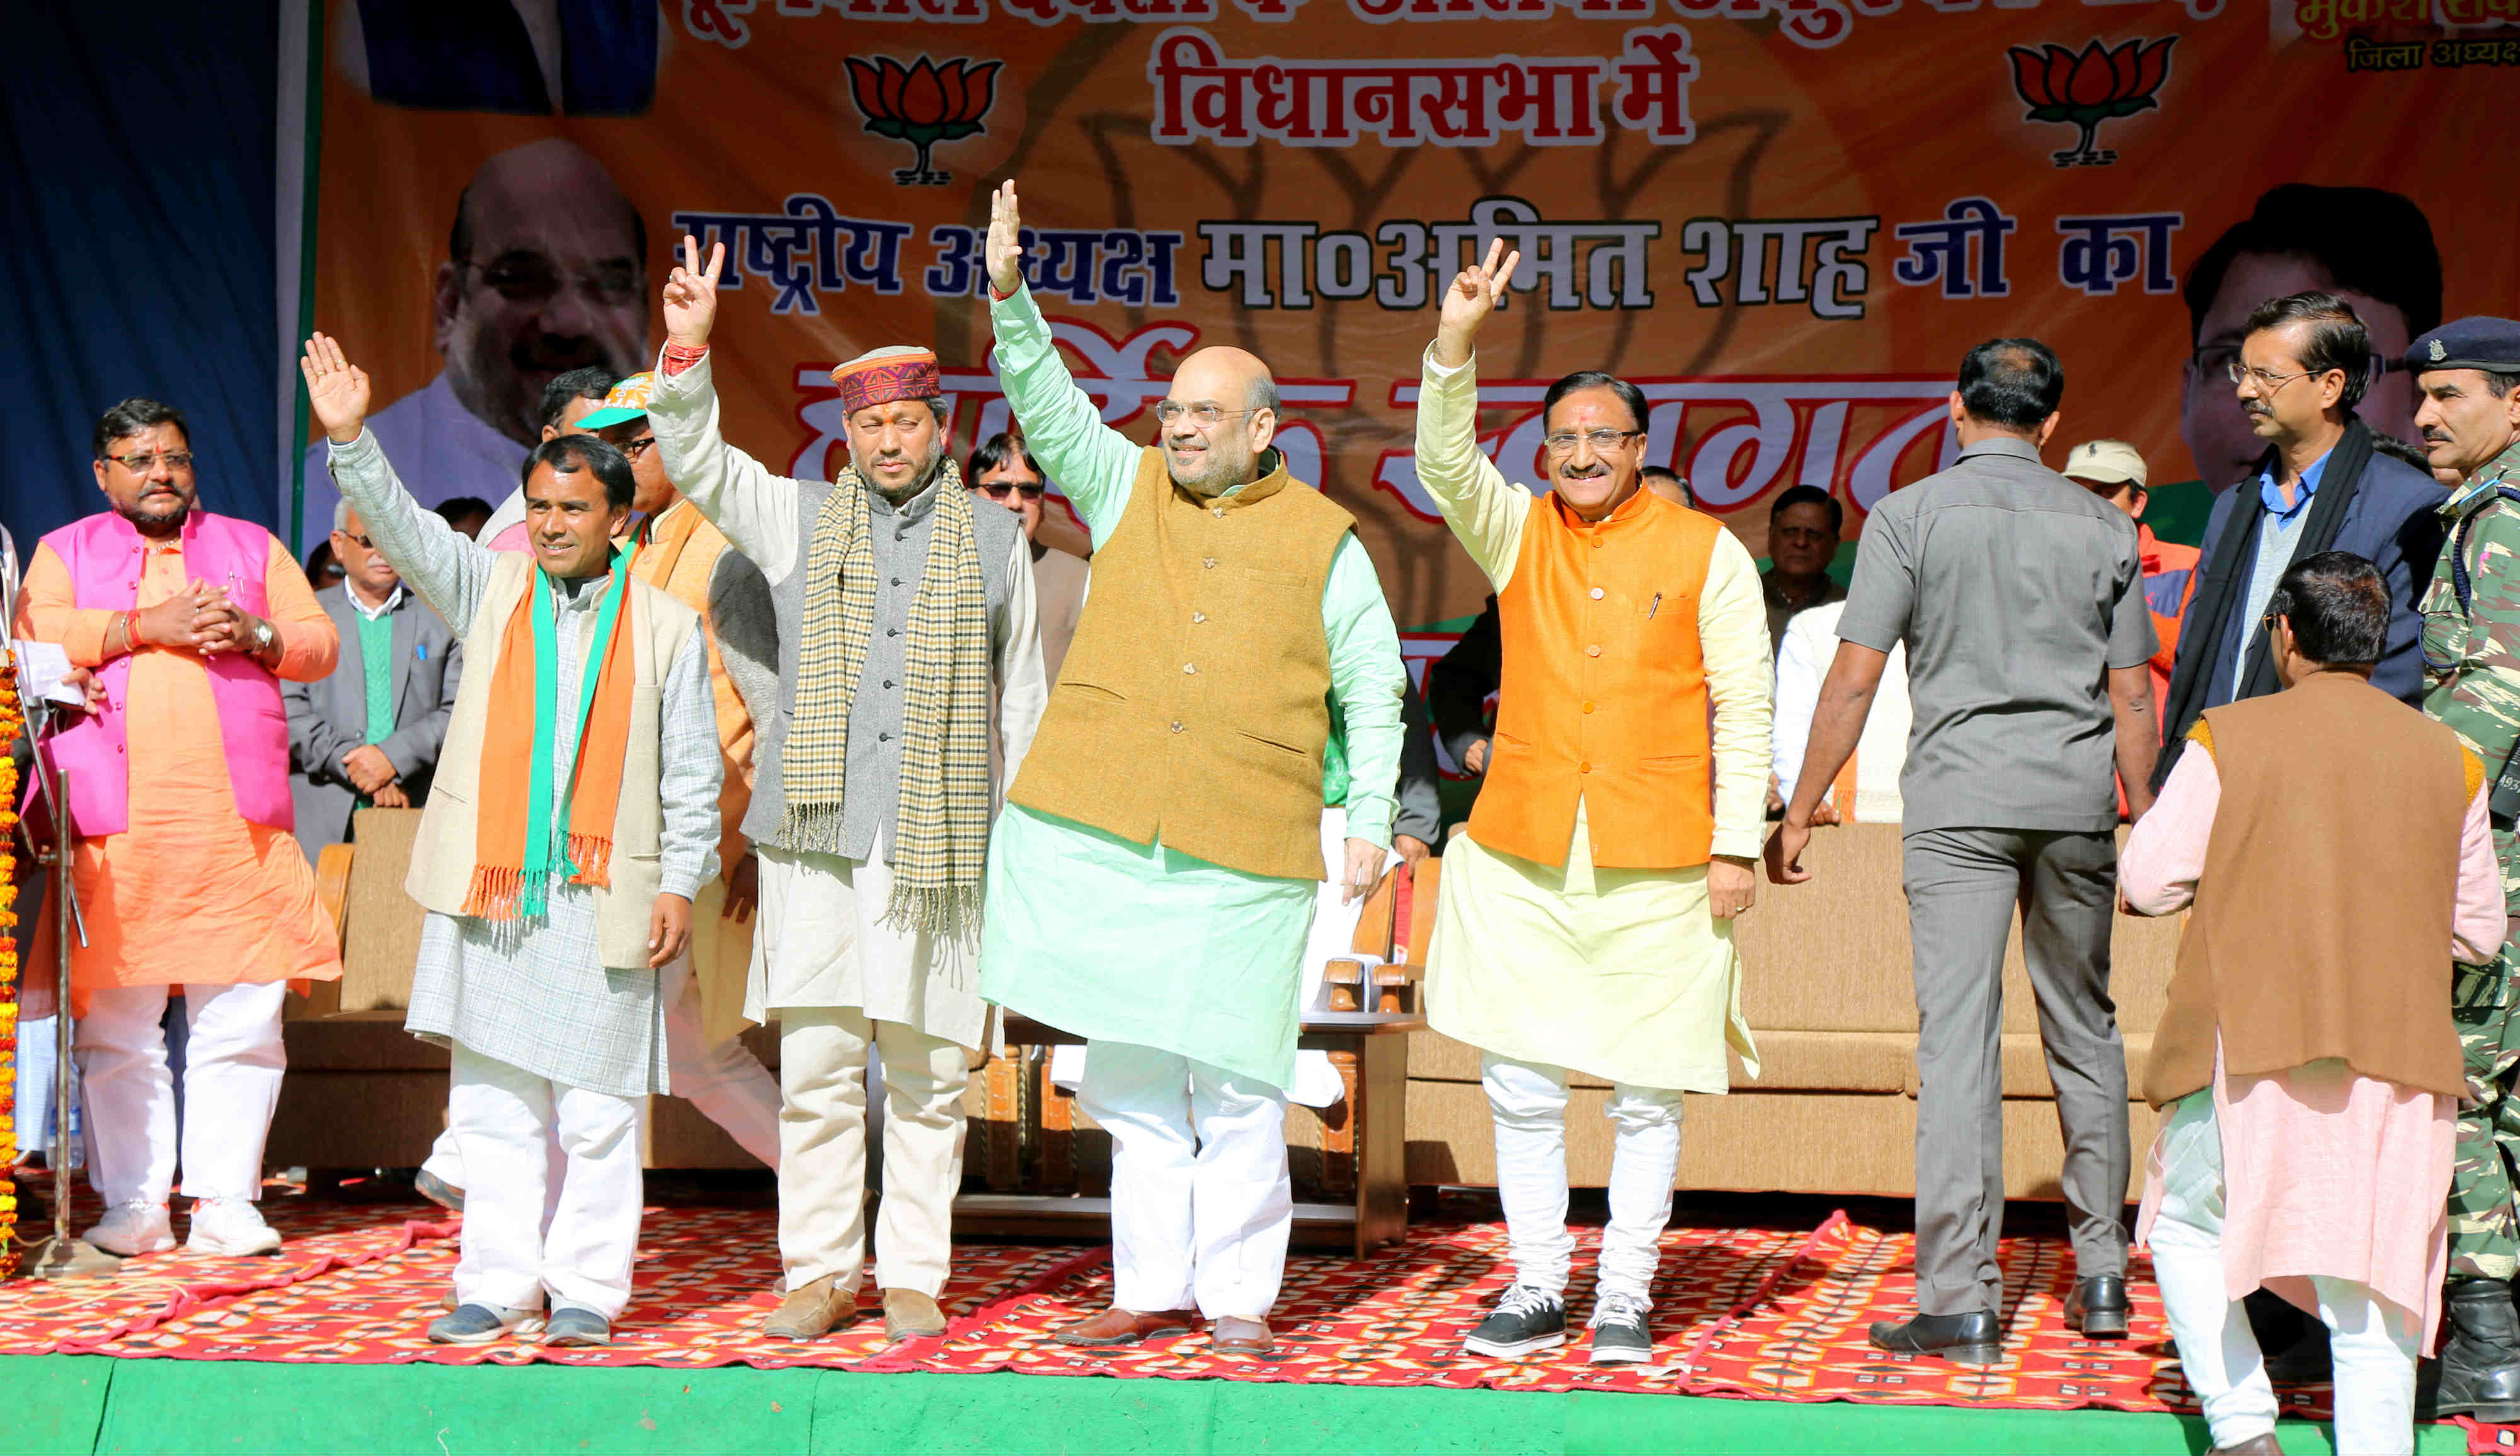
(900, 606)
(2469, 374)
(2112, 471)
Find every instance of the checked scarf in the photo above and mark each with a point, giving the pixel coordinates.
(941, 838)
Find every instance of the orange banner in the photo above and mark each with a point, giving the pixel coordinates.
(1784, 219)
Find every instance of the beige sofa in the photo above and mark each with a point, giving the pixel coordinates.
(1825, 986)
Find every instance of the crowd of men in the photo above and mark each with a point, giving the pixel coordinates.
(697, 745)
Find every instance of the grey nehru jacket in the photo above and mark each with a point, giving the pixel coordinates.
(2015, 591)
(749, 504)
(898, 536)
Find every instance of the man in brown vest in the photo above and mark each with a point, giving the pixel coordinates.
(2306, 1052)
(1152, 879)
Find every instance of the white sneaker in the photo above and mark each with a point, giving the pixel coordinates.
(230, 1227)
(133, 1228)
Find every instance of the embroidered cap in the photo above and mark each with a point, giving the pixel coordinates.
(2106, 461)
(887, 375)
(626, 400)
(2479, 342)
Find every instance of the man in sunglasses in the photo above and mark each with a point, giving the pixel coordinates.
(1003, 470)
(1154, 875)
(369, 734)
(2321, 485)
(1585, 923)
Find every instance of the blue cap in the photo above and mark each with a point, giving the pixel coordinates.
(2477, 343)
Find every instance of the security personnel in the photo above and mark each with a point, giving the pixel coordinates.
(2469, 373)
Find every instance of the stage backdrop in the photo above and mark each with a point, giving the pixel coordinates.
(1784, 219)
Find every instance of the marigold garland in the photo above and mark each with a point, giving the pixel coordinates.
(12, 724)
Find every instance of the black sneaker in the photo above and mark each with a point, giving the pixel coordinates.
(1524, 1320)
(1620, 1334)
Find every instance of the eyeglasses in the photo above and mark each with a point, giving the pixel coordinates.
(1564, 442)
(365, 544)
(141, 464)
(2266, 379)
(530, 278)
(998, 490)
(1206, 416)
(638, 447)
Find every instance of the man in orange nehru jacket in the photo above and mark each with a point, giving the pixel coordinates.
(1585, 923)
(187, 869)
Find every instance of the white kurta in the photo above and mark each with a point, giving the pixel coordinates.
(1623, 974)
(1880, 755)
(819, 942)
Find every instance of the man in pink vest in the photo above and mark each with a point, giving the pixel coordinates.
(187, 869)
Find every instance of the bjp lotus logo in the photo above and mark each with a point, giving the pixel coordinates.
(924, 104)
(2090, 88)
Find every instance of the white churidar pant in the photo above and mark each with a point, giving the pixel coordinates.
(505, 1119)
(1528, 1102)
(231, 1084)
(2374, 1343)
(726, 1082)
(823, 1056)
(1201, 1205)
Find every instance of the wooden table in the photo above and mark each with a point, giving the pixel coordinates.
(1369, 1051)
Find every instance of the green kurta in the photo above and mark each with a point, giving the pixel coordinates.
(1119, 942)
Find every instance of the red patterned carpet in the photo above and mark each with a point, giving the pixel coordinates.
(1763, 1313)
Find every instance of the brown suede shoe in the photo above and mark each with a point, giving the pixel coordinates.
(1117, 1326)
(1247, 1337)
(812, 1312)
(909, 1314)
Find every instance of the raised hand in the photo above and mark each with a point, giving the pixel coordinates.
(336, 389)
(691, 294)
(1474, 294)
(1005, 252)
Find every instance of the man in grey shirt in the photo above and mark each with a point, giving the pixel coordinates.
(2019, 598)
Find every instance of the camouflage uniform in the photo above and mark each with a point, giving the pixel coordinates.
(2472, 684)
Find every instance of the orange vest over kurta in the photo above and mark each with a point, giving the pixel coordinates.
(1603, 696)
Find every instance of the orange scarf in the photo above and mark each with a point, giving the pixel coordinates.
(520, 734)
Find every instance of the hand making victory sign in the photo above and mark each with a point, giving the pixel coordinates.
(691, 296)
(1474, 294)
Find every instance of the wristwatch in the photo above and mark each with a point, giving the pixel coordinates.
(264, 638)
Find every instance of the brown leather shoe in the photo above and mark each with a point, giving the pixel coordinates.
(813, 1311)
(1247, 1337)
(909, 1314)
(2256, 1445)
(1119, 1326)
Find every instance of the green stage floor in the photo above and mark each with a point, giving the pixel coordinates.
(74, 1405)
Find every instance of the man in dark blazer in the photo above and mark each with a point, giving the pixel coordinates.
(2326, 482)
(370, 733)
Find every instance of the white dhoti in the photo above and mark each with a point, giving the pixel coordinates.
(843, 986)
(505, 1120)
(232, 1075)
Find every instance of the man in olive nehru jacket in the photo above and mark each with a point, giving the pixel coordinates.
(1154, 876)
